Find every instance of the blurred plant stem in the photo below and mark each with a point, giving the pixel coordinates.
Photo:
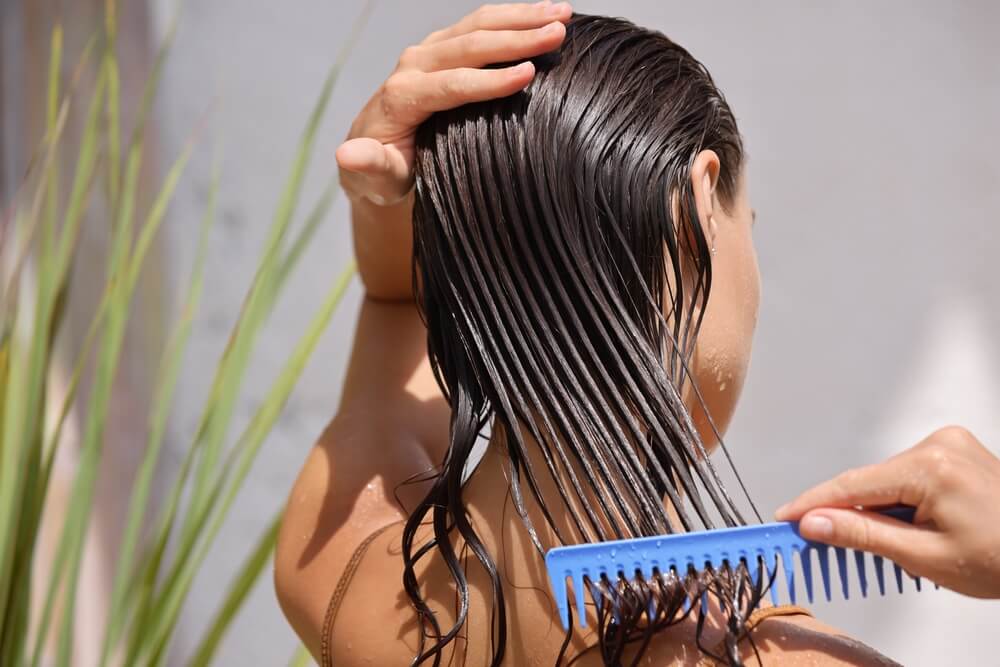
(164, 544)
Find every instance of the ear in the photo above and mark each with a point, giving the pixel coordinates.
(704, 178)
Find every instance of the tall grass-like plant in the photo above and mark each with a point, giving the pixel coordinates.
(163, 546)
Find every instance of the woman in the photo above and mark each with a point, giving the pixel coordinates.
(548, 276)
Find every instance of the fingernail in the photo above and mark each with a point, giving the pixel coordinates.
(552, 28)
(558, 8)
(818, 527)
(780, 512)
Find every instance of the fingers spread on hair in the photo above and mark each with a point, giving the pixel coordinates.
(483, 47)
(517, 16)
(455, 87)
(409, 97)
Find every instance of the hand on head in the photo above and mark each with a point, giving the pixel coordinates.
(442, 72)
(951, 479)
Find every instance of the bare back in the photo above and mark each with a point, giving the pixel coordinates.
(344, 499)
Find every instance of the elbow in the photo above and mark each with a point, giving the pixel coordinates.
(291, 587)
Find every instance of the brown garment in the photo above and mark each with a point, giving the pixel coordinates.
(326, 659)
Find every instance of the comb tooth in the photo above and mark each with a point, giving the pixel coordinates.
(916, 581)
(842, 568)
(677, 569)
(807, 575)
(899, 576)
(879, 563)
(704, 603)
(613, 601)
(687, 592)
(595, 592)
(859, 560)
(579, 588)
(824, 570)
(773, 571)
(757, 571)
(789, 567)
(560, 589)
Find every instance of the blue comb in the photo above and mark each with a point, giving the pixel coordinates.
(714, 547)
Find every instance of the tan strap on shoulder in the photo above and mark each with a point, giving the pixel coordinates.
(341, 590)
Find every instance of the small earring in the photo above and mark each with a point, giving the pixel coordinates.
(713, 248)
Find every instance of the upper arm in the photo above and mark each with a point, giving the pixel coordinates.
(391, 425)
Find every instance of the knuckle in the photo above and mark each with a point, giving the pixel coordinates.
(954, 436)
(939, 463)
(475, 41)
(409, 57)
(859, 534)
(394, 84)
(844, 482)
(453, 84)
(393, 94)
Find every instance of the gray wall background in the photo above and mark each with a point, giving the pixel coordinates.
(875, 171)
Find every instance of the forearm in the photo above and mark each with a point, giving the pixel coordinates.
(383, 246)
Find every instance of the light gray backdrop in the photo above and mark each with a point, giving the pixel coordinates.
(874, 169)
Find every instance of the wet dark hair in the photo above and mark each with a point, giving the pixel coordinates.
(562, 274)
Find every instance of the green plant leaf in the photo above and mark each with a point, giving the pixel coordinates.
(217, 414)
(86, 161)
(243, 583)
(163, 399)
(123, 276)
(21, 444)
(301, 657)
(178, 581)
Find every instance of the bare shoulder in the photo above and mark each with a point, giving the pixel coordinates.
(391, 425)
(375, 623)
(341, 496)
(803, 640)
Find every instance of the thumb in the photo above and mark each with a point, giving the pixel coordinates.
(363, 156)
(371, 169)
(906, 544)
